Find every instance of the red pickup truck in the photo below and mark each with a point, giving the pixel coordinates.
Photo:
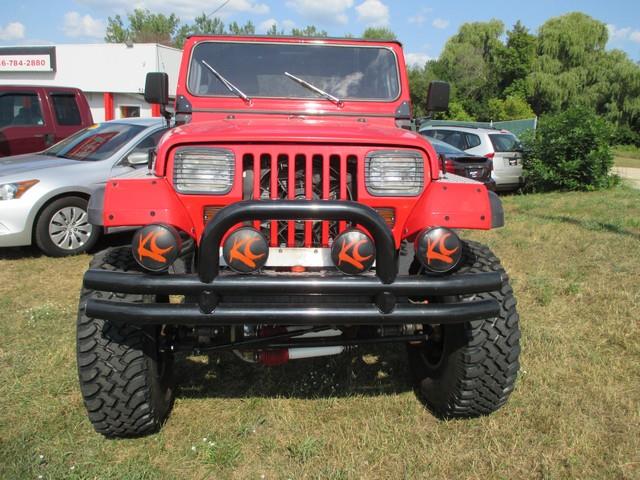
(33, 118)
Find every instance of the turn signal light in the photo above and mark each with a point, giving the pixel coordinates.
(438, 249)
(353, 252)
(155, 247)
(209, 213)
(246, 250)
(388, 215)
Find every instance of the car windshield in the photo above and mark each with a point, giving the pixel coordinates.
(442, 147)
(96, 142)
(505, 142)
(258, 69)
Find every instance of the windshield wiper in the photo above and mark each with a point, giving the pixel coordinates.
(313, 88)
(232, 88)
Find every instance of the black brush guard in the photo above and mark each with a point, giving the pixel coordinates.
(209, 286)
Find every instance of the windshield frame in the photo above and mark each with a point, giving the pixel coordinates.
(305, 99)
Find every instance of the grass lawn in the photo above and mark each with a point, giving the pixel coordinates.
(626, 156)
(574, 260)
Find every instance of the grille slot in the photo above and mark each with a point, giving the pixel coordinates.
(293, 175)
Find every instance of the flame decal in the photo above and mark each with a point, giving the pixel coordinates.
(148, 247)
(437, 250)
(355, 258)
(245, 256)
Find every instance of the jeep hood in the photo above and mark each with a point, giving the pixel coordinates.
(292, 130)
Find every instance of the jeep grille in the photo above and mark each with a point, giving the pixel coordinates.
(288, 173)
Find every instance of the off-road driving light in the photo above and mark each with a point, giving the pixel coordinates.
(246, 250)
(203, 170)
(394, 173)
(155, 247)
(438, 249)
(353, 252)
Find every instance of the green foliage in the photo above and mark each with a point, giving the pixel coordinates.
(308, 31)
(511, 108)
(379, 33)
(144, 27)
(570, 151)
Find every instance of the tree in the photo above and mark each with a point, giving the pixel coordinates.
(379, 33)
(247, 29)
(308, 31)
(511, 108)
(516, 60)
(144, 27)
(273, 31)
(116, 31)
(202, 25)
(570, 151)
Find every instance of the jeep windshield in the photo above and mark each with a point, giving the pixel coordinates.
(258, 69)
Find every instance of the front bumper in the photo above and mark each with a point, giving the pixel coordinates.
(15, 229)
(224, 298)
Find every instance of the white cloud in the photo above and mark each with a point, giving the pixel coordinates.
(76, 25)
(322, 11)
(12, 31)
(617, 33)
(623, 34)
(418, 19)
(285, 25)
(267, 24)
(416, 59)
(373, 13)
(440, 23)
(185, 9)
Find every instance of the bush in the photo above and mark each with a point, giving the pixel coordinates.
(570, 151)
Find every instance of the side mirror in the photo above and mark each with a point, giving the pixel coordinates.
(438, 96)
(138, 157)
(156, 88)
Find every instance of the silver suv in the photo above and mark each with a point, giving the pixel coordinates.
(502, 146)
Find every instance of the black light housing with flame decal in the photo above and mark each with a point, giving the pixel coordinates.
(246, 250)
(156, 247)
(353, 252)
(438, 249)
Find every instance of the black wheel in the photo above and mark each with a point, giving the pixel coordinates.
(125, 379)
(469, 369)
(63, 228)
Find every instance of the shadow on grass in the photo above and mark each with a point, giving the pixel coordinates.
(591, 225)
(369, 370)
(32, 251)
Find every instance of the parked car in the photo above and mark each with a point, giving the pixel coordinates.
(464, 164)
(44, 196)
(33, 118)
(501, 146)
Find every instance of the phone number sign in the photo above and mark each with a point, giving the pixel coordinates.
(27, 59)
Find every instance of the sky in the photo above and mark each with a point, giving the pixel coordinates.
(422, 26)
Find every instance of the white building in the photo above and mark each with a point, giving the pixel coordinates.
(112, 75)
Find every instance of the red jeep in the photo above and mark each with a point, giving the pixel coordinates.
(293, 213)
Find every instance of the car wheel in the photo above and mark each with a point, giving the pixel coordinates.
(63, 228)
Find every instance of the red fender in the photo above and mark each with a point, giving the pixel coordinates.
(451, 204)
(141, 201)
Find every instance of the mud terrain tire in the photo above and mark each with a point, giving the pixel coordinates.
(125, 381)
(475, 364)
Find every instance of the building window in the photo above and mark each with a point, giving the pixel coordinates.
(127, 111)
(66, 108)
(20, 109)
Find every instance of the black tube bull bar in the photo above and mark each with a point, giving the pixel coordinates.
(210, 287)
